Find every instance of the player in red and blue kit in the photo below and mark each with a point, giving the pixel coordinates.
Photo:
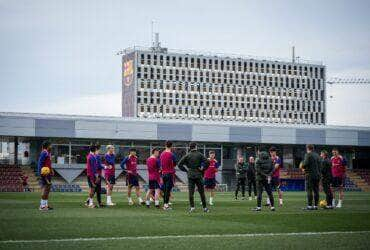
(338, 170)
(132, 178)
(161, 188)
(45, 180)
(168, 163)
(154, 167)
(210, 176)
(109, 173)
(275, 178)
(92, 174)
(99, 170)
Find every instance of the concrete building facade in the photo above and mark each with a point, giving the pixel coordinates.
(160, 83)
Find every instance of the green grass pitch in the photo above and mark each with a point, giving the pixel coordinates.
(21, 220)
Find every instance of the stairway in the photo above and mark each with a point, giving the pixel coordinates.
(32, 178)
(284, 174)
(358, 181)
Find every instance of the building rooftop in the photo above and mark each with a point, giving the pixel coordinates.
(219, 55)
(176, 121)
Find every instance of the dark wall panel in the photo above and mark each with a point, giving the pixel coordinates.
(310, 136)
(55, 128)
(245, 134)
(364, 138)
(177, 132)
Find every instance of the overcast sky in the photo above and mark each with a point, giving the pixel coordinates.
(59, 56)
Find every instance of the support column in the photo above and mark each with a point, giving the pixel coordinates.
(222, 156)
(15, 150)
(70, 154)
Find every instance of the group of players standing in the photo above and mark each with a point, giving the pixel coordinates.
(161, 175)
(262, 173)
(330, 171)
(246, 173)
(160, 172)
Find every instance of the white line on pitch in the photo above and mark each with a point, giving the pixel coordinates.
(183, 236)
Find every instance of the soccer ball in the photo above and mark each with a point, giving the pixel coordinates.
(45, 171)
(323, 203)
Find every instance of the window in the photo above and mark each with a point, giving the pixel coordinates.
(60, 154)
(79, 153)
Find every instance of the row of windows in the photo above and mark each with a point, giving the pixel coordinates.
(194, 91)
(218, 77)
(231, 65)
(226, 96)
(292, 105)
(229, 114)
(254, 96)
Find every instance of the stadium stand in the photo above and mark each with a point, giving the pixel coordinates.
(66, 188)
(33, 182)
(349, 185)
(10, 178)
(361, 178)
(294, 173)
(292, 180)
(364, 174)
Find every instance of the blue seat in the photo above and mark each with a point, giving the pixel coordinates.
(66, 188)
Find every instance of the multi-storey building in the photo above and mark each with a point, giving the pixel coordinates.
(159, 83)
(193, 90)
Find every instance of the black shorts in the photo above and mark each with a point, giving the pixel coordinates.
(132, 180)
(338, 182)
(153, 184)
(91, 181)
(251, 178)
(168, 181)
(111, 179)
(275, 183)
(210, 183)
(45, 180)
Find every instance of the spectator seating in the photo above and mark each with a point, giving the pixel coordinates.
(66, 188)
(10, 178)
(364, 174)
(350, 186)
(295, 173)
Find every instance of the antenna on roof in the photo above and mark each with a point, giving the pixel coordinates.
(152, 33)
(293, 54)
(156, 44)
